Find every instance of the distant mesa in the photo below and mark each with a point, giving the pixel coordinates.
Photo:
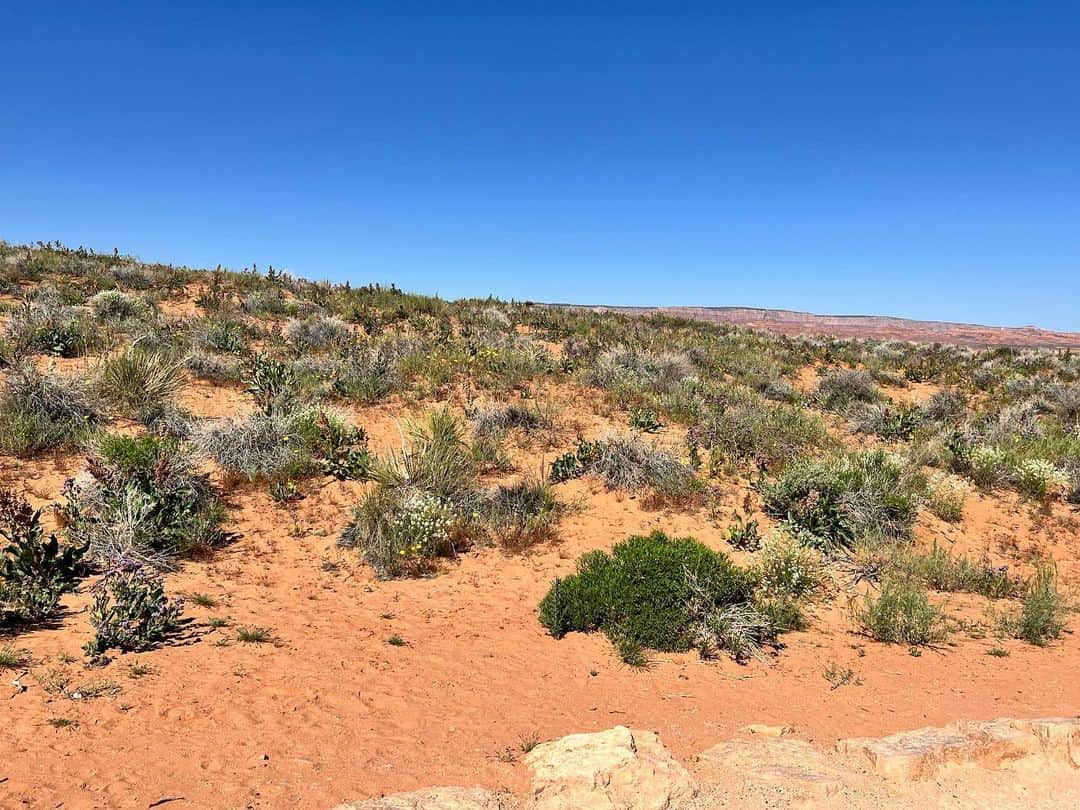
(880, 327)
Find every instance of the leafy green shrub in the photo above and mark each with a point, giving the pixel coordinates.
(34, 572)
(270, 381)
(743, 534)
(42, 411)
(136, 378)
(575, 463)
(657, 593)
(142, 502)
(902, 614)
(837, 500)
(131, 612)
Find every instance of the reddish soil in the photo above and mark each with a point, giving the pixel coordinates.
(331, 711)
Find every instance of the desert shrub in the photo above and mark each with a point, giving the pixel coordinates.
(34, 571)
(658, 593)
(759, 433)
(400, 531)
(838, 389)
(786, 567)
(132, 276)
(496, 420)
(136, 378)
(519, 515)
(945, 406)
(212, 367)
(1040, 479)
(317, 332)
(340, 448)
(222, 334)
(270, 382)
(945, 495)
(261, 447)
(941, 571)
(131, 611)
(836, 500)
(370, 373)
(1042, 615)
(902, 614)
(54, 328)
(141, 501)
(438, 460)
(116, 306)
(888, 420)
(166, 419)
(631, 374)
(744, 534)
(264, 302)
(645, 419)
(989, 466)
(628, 463)
(42, 411)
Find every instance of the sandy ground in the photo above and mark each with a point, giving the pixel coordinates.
(331, 711)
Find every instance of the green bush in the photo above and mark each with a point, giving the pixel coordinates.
(651, 592)
(902, 614)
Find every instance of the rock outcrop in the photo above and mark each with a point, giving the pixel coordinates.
(618, 769)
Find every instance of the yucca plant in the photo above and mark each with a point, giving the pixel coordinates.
(137, 378)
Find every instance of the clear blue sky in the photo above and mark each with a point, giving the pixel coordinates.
(922, 161)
